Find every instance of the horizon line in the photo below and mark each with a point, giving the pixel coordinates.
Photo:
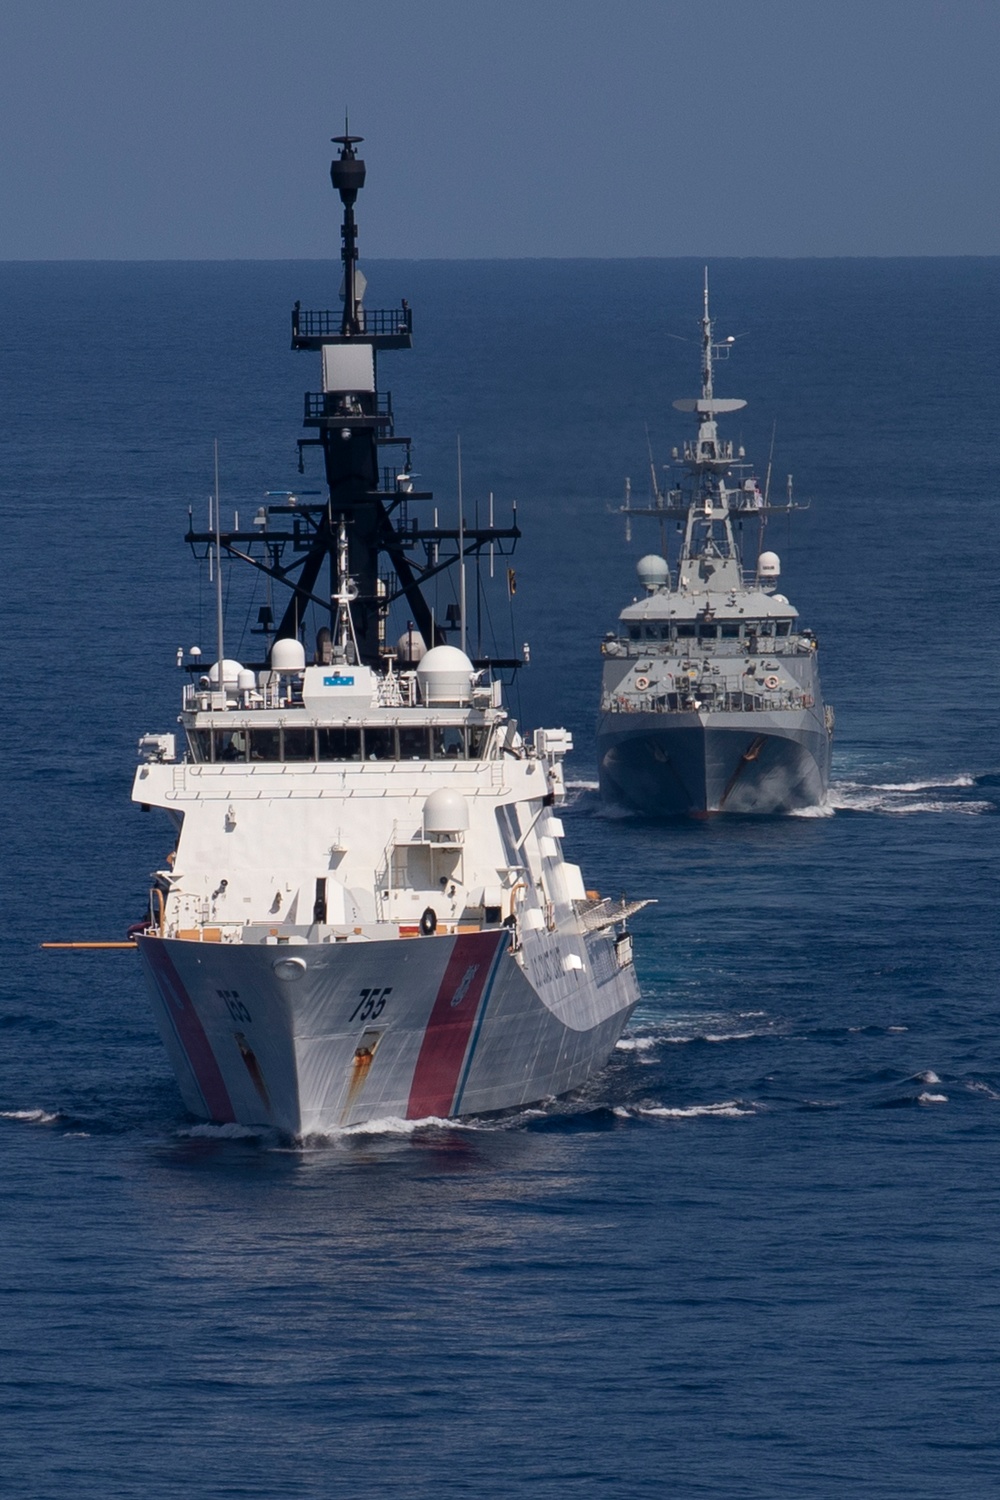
(701, 257)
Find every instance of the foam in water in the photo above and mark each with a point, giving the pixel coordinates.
(932, 1098)
(390, 1125)
(847, 796)
(228, 1132)
(714, 1037)
(393, 1125)
(580, 791)
(615, 814)
(730, 1109)
(893, 797)
(30, 1116)
(684, 1028)
(922, 786)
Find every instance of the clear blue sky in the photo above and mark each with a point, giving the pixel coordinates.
(199, 128)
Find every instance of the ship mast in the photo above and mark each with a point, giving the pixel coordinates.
(714, 487)
(708, 529)
(347, 173)
(369, 495)
(345, 641)
(706, 347)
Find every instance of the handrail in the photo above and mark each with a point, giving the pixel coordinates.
(704, 699)
(325, 406)
(328, 322)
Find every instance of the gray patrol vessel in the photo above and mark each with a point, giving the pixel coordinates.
(711, 698)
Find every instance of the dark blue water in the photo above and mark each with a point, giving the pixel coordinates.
(758, 1257)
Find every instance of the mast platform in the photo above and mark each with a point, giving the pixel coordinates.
(326, 409)
(385, 328)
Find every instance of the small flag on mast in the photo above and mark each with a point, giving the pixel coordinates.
(511, 583)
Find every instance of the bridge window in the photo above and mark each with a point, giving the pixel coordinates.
(380, 744)
(265, 744)
(413, 743)
(784, 627)
(686, 630)
(634, 633)
(298, 744)
(339, 744)
(200, 744)
(229, 744)
(479, 738)
(708, 632)
(448, 743)
(731, 630)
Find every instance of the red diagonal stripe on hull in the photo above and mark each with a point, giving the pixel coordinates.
(442, 1051)
(190, 1032)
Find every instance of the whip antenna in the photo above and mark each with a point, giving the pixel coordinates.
(218, 575)
(461, 551)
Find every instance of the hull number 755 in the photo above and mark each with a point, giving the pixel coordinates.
(371, 1004)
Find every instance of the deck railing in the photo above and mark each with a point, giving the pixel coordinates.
(708, 649)
(327, 322)
(710, 700)
(324, 405)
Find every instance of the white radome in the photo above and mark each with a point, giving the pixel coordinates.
(446, 811)
(288, 656)
(445, 676)
(231, 671)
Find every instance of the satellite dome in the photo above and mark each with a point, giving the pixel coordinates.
(653, 571)
(445, 676)
(446, 811)
(230, 673)
(246, 681)
(410, 648)
(288, 656)
(769, 565)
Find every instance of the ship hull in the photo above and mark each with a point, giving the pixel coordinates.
(311, 1038)
(695, 764)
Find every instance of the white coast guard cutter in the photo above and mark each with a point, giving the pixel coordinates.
(368, 912)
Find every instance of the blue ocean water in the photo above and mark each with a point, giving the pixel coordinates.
(757, 1257)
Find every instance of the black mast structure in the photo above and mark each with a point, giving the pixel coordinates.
(295, 540)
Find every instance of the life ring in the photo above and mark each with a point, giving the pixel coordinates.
(772, 681)
(428, 921)
(641, 683)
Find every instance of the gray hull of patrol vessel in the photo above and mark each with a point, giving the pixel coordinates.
(711, 699)
(713, 763)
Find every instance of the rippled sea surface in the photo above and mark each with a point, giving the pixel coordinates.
(758, 1255)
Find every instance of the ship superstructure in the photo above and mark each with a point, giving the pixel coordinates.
(710, 698)
(367, 912)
